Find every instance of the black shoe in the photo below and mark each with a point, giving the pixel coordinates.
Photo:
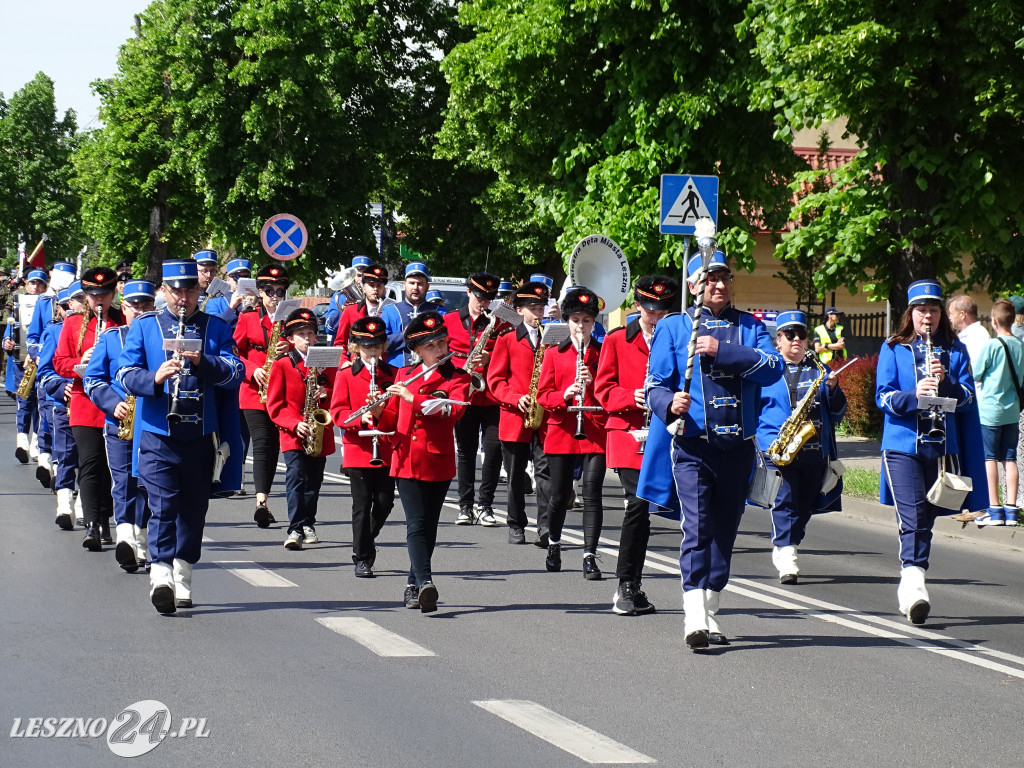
(622, 603)
(183, 603)
(590, 570)
(789, 578)
(64, 522)
(542, 540)
(918, 612)
(125, 556)
(163, 599)
(412, 596)
(516, 535)
(21, 455)
(428, 598)
(43, 476)
(52, 485)
(697, 640)
(640, 601)
(262, 515)
(105, 531)
(92, 538)
(363, 570)
(554, 558)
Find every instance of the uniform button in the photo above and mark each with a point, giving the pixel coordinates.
(414, 438)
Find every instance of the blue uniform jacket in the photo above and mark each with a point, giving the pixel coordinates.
(753, 360)
(50, 384)
(42, 318)
(219, 306)
(395, 317)
(333, 315)
(98, 380)
(896, 396)
(212, 406)
(776, 408)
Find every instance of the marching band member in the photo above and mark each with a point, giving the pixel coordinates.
(566, 381)
(130, 509)
(705, 467)
(424, 461)
(480, 419)
(339, 301)
(801, 492)
(436, 299)
(185, 399)
(287, 405)
(76, 346)
(515, 370)
(366, 459)
(253, 335)
(374, 281)
(397, 316)
(619, 388)
(924, 357)
(28, 413)
(235, 270)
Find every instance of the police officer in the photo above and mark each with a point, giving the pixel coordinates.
(806, 475)
(397, 316)
(130, 510)
(186, 404)
(829, 341)
(711, 453)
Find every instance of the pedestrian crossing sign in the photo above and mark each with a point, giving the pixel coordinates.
(686, 198)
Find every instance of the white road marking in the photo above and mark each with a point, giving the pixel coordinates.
(254, 573)
(207, 539)
(586, 744)
(373, 636)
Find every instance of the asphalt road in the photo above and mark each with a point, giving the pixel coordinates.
(516, 661)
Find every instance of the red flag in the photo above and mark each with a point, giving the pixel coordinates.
(39, 260)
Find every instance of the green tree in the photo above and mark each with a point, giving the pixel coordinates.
(576, 108)
(933, 93)
(35, 165)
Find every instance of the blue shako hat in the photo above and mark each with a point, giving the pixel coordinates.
(505, 286)
(38, 274)
(239, 265)
(789, 318)
(540, 277)
(75, 290)
(923, 291)
(139, 290)
(361, 261)
(416, 268)
(181, 274)
(63, 296)
(205, 256)
(435, 296)
(63, 266)
(693, 265)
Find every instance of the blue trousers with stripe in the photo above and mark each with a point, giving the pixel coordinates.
(798, 494)
(910, 476)
(129, 502)
(65, 449)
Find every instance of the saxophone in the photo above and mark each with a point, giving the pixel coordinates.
(28, 379)
(477, 383)
(534, 412)
(316, 418)
(275, 336)
(126, 427)
(798, 429)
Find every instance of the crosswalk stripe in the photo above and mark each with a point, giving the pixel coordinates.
(373, 636)
(254, 573)
(586, 744)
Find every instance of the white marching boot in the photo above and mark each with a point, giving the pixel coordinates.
(124, 552)
(913, 594)
(44, 470)
(141, 544)
(182, 583)
(161, 580)
(21, 448)
(695, 620)
(33, 446)
(711, 601)
(65, 510)
(79, 512)
(784, 560)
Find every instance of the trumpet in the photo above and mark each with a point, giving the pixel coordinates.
(578, 407)
(173, 415)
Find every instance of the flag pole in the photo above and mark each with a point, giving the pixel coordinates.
(35, 250)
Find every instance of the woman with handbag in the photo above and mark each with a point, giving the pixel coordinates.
(931, 439)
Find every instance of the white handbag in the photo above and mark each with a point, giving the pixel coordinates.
(764, 485)
(833, 471)
(949, 491)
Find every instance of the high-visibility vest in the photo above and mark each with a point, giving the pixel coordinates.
(824, 339)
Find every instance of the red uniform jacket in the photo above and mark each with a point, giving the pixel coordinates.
(252, 334)
(621, 372)
(349, 314)
(68, 355)
(425, 445)
(286, 399)
(351, 392)
(508, 379)
(557, 374)
(462, 338)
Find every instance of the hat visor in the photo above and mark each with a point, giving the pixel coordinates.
(97, 290)
(925, 300)
(484, 295)
(310, 326)
(790, 324)
(655, 306)
(419, 341)
(368, 341)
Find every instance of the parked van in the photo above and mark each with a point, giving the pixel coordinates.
(452, 288)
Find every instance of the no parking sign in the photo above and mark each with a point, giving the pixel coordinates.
(284, 237)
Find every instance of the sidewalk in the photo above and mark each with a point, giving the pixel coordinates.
(860, 452)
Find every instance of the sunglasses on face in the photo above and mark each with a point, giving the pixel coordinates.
(124, 277)
(795, 333)
(278, 292)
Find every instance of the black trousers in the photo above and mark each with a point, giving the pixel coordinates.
(422, 500)
(516, 457)
(94, 482)
(636, 529)
(373, 498)
(562, 466)
(266, 448)
(477, 420)
(304, 475)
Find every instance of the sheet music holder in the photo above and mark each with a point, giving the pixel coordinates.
(218, 287)
(323, 357)
(183, 345)
(504, 312)
(554, 334)
(285, 308)
(247, 287)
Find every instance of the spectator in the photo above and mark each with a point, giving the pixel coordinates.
(997, 372)
(1017, 329)
(963, 314)
(830, 344)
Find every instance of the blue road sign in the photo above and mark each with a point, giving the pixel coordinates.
(684, 199)
(284, 236)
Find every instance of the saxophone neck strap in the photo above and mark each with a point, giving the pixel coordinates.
(793, 381)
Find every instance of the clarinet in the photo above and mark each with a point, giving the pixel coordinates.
(647, 412)
(173, 417)
(375, 459)
(578, 406)
(936, 431)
